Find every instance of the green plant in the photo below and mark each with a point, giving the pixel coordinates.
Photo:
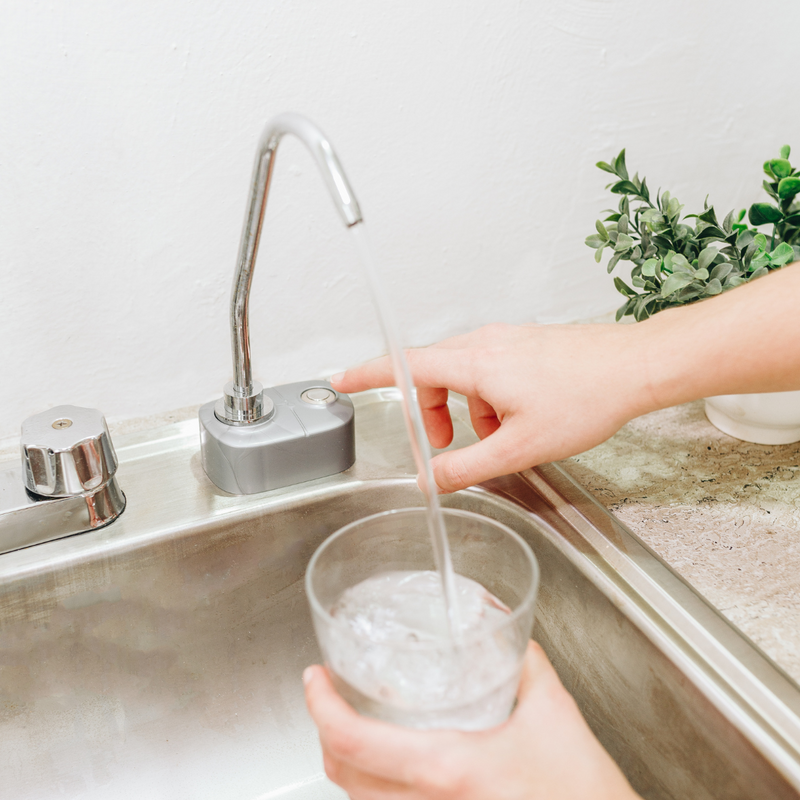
(675, 263)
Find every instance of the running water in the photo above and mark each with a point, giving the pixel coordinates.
(416, 431)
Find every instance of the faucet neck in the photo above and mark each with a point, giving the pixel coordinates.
(243, 400)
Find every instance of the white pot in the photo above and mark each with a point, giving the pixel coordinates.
(763, 418)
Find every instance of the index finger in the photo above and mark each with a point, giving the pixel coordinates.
(430, 367)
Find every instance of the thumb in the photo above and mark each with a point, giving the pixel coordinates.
(539, 687)
(536, 670)
(497, 454)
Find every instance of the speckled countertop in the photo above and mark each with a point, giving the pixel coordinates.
(725, 514)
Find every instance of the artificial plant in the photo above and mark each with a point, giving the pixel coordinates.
(675, 263)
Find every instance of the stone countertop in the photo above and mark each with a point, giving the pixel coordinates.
(725, 514)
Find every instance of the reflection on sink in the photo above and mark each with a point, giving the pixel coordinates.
(161, 657)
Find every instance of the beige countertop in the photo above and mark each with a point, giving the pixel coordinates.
(725, 514)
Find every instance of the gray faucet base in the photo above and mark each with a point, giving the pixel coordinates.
(300, 441)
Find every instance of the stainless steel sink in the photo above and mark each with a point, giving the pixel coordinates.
(161, 657)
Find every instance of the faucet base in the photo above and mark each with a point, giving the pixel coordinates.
(303, 439)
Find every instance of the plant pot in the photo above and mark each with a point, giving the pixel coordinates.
(763, 418)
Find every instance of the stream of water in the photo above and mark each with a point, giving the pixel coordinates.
(416, 430)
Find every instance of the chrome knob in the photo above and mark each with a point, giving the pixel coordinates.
(67, 451)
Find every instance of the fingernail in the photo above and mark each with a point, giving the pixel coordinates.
(308, 674)
(337, 378)
(421, 486)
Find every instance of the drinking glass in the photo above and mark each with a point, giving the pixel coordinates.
(467, 682)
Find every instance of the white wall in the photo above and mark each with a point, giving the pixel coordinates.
(468, 129)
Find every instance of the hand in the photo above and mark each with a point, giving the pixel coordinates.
(545, 392)
(544, 751)
(536, 393)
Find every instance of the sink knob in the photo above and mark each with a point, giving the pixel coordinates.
(67, 451)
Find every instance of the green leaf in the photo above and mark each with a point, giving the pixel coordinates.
(782, 254)
(771, 189)
(780, 167)
(614, 260)
(654, 218)
(748, 253)
(674, 208)
(677, 262)
(734, 280)
(598, 255)
(601, 229)
(624, 242)
(714, 286)
(721, 271)
(650, 266)
(640, 311)
(624, 187)
(607, 167)
(760, 241)
(619, 165)
(727, 223)
(762, 213)
(711, 232)
(638, 281)
(745, 238)
(785, 151)
(707, 216)
(623, 287)
(792, 219)
(689, 293)
(706, 257)
(759, 273)
(622, 224)
(701, 275)
(675, 282)
(788, 187)
(595, 241)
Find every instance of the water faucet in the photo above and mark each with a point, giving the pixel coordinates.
(254, 439)
(242, 401)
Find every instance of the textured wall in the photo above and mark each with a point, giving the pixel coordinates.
(468, 129)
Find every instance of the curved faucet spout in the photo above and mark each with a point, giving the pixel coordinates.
(243, 400)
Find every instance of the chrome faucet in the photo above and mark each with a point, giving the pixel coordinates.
(67, 483)
(255, 439)
(243, 400)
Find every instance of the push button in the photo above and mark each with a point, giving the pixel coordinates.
(318, 397)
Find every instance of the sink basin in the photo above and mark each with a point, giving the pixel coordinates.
(161, 657)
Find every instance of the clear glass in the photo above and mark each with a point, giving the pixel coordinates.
(470, 685)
